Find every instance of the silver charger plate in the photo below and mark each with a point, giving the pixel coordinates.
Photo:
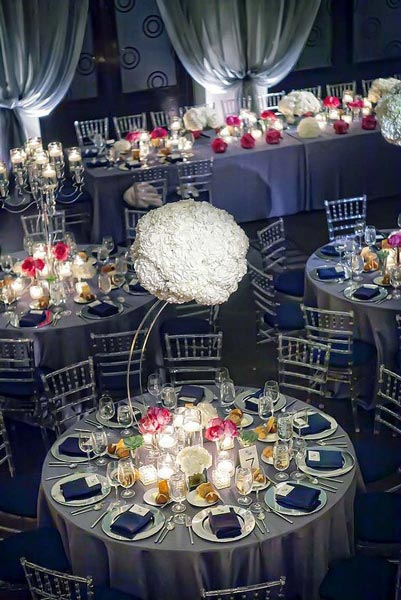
(14, 322)
(208, 396)
(349, 293)
(151, 528)
(114, 424)
(57, 495)
(270, 499)
(87, 315)
(314, 275)
(239, 402)
(349, 463)
(200, 524)
(326, 257)
(63, 457)
(322, 434)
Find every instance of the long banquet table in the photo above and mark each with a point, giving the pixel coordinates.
(301, 552)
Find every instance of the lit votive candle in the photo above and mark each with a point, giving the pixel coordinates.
(166, 441)
(39, 250)
(18, 285)
(50, 174)
(147, 474)
(175, 125)
(221, 479)
(36, 292)
(277, 124)
(366, 111)
(334, 114)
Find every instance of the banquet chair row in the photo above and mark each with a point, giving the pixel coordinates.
(268, 590)
(270, 101)
(338, 89)
(233, 106)
(342, 215)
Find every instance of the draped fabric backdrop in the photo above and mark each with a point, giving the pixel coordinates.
(40, 43)
(241, 44)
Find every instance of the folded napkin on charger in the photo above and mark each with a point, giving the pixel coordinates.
(366, 293)
(70, 447)
(316, 424)
(90, 152)
(191, 393)
(102, 309)
(225, 525)
(79, 489)
(300, 497)
(100, 162)
(137, 288)
(251, 401)
(33, 318)
(324, 459)
(329, 251)
(129, 523)
(330, 273)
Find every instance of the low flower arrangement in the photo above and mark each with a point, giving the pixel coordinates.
(30, 265)
(193, 460)
(220, 428)
(381, 87)
(155, 419)
(203, 117)
(297, 103)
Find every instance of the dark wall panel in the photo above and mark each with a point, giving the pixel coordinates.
(377, 30)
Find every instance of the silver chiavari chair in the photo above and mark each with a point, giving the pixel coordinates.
(316, 90)
(6, 456)
(195, 178)
(131, 218)
(33, 227)
(206, 105)
(338, 89)
(85, 130)
(124, 125)
(234, 105)
(303, 367)
(342, 215)
(154, 176)
(276, 250)
(71, 392)
(160, 118)
(366, 84)
(270, 101)
(193, 358)
(388, 405)
(192, 309)
(53, 585)
(269, 590)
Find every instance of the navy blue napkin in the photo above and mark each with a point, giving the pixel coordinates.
(301, 497)
(329, 459)
(316, 424)
(128, 524)
(251, 401)
(137, 288)
(329, 251)
(79, 489)
(174, 159)
(70, 447)
(225, 525)
(104, 309)
(329, 273)
(32, 320)
(365, 293)
(191, 393)
(90, 152)
(100, 162)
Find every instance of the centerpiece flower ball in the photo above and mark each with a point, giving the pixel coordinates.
(388, 113)
(189, 250)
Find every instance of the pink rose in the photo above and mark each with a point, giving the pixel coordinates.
(230, 428)
(197, 133)
(60, 251)
(273, 136)
(340, 126)
(215, 430)
(394, 239)
(133, 136)
(219, 146)
(331, 102)
(369, 122)
(247, 141)
(356, 104)
(233, 121)
(147, 425)
(158, 132)
(268, 114)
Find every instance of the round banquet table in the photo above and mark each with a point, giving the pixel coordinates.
(374, 323)
(301, 551)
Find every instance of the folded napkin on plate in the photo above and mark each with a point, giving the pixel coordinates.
(192, 393)
(330, 273)
(103, 309)
(33, 318)
(300, 497)
(137, 288)
(225, 525)
(251, 401)
(316, 424)
(329, 251)
(365, 293)
(90, 152)
(70, 447)
(79, 489)
(324, 459)
(93, 164)
(129, 523)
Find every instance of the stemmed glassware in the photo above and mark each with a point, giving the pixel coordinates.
(370, 235)
(299, 449)
(257, 486)
(284, 426)
(221, 375)
(271, 390)
(154, 385)
(104, 284)
(244, 484)
(108, 243)
(107, 409)
(340, 246)
(7, 262)
(265, 408)
(281, 459)
(126, 476)
(357, 265)
(227, 395)
(86, 445)
(395, 280)
(399, 220)
(113, 480)
(178, 489)
(99, 446)
(168, 397)
(124, 417)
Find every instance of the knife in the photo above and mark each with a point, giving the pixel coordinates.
(99, 518)
(163, 529)
(188, 524)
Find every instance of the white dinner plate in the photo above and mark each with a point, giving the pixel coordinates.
(271, 437)
(246, 420)
(151, 528)
(87, 315)
(63, 457)
(150, 497)
(379, 281)
(349, 463)
(200, 523)
(208, 395)
(323, 434)
(349, 293)
(196, 500)
(268, 461)
(57, 495)
(239, 402)
(270, 499)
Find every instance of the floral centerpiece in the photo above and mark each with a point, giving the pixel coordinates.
(331, 102)
(207, 411)
(221, 431)
(297, 103)
(202, 117)
(194, 461)
(308, 128)
(30, 266)
(154, 420)
(388, 112)
(60, 251)
(381, 87)
(394, 242)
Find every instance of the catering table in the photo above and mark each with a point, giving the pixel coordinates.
(300, 551)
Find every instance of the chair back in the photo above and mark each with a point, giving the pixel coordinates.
(338, 89)
(6, 456)
(342, 215)
(85, 130)
(192, 309)
(234, 105)
(53, 585)
(33, 227)
(128, 123)
(71, 392)
(263, 290)
(195, 178)
(193, 358)
(332, 327)
(303, 366)
(159, 118)
(316, 90)
(206, 105)
(272, 244)
(269, 590)
(157, 177)
(366, 84)
(110, 353)
(270, 101)
(388, 405)
(131, 218)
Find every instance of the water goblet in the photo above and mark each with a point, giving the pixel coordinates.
(299, 449)
(357, 265)
(154, 385)
(395, 280)
(177, 485)
(108, 243)
(370, 235)
(244, 484)
(124, 417)
(340, 246)
(85, 445)
(256, 506)
(284, 426)
(265, 408)
(104, 284)
(168, 397)
(126, 476)
(281, 459)
(113, 481)
(227, 395)
(271, 389)
(121, 264)
(107, 409)
(7, 262)
(221, 375)
(99, 446)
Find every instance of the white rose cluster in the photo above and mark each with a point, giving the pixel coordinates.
(189, 250)
(198, 118)
(380, 87)
(388, 113)
(308, 128)
(297, 103)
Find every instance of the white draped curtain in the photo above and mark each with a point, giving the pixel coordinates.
(40, 44)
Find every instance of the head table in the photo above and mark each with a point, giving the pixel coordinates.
(301, 551)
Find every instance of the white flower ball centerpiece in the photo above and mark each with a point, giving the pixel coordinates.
(308, 128)
(298, 103)
(388, 113)
(380, 87)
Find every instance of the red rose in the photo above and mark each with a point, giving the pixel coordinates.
(233, 121)
(340, 126)
(30, 265)
(133, 136)
(268, 114)
(39, 264)
(369, 122)
(247, 141)
(331, 102)
(356, 104)
(273, 136)
(60, 251)
(215, 430)
(219, 146)
(196, 134)
(158, 132)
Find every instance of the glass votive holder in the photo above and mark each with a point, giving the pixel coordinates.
(166, 466)
(221, 479)
(224, 461)
(167, 439)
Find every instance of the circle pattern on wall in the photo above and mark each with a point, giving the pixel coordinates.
(86, 64)
(393, 49)
(371, 28)
(314, 36)
(130, 57)
(157, 79)
(124, 5)
(393, 3)
(153, 26)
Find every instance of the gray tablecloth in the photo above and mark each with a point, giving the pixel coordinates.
(301, 551)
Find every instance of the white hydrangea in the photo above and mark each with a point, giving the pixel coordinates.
(388, 112)
(297, 103)
(189, 250)
(207, 411)
(380, 87)
(195, 119)
(193, 460)
(213, 119)
(308, 128)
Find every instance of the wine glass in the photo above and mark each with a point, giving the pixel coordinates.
(299, 449)
(27, 244)
(271, 389)
(340, 246)
(256, 487)
(154, 385)
(359, 230)
(104, 284)
(69, 239)
(357, 265)
(98, 141)
(265, 408)
(118, 279)
(244, 484)
(227, 395)
(126, 476)
(177, 485)
(112, 478)
(284, 426)
(107, 409)
(399, 220)
(395, 280)
(85, 445)
(168, 397)
(370, 235)
(7, 262)
(124, 417)
(281, 459)
(108, 243)
(221, 375)
(121, 264)
(102, 255)
(99, 445)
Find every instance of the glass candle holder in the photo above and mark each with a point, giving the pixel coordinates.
(221, 479)
(166, 466)
(224, 461)
(166, 439)
(192, 426)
